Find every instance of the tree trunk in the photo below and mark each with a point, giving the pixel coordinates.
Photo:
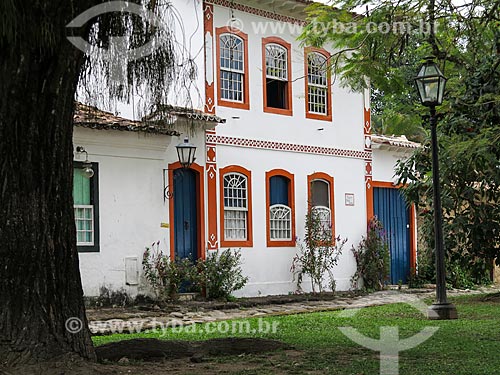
(40, 285)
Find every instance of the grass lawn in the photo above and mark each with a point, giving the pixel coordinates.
(468, 346)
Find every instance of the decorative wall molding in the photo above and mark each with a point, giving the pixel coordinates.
(281, 146)
(210, 147)
(257, 12)
(367, 126)
(208, 23)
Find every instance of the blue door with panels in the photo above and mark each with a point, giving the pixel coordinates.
(185, 214)
(391, 209)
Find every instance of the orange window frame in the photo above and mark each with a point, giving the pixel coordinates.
(330, 180)
(246, 96)
(317, 116)
(291, 201)
(275, 40)
(239, 243)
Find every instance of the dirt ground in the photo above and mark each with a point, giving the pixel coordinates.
(270, 363)
(215, 356)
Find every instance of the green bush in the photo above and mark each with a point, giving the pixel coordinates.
(372, 258)
(220, 274)
(166, 276)
(318, 255)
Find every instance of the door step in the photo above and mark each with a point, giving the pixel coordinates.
(186, 297)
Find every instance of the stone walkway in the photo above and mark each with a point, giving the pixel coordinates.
(136, 321)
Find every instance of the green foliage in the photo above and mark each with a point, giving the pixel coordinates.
(466, 43)
(372, 258)
(221, 274)
(165, 276)
(367, 53)
(319, 253)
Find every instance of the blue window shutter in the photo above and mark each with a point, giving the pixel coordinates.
(278, 186)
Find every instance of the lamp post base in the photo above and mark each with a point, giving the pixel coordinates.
(442, 311)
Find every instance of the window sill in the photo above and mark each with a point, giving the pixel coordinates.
(280, 243)
(231, 244)
(314, 116)
(278, 111)
(237, 105)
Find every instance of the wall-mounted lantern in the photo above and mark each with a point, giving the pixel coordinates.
(88, 172)
(186, 152)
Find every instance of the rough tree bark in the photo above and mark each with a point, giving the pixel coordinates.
(40, 285)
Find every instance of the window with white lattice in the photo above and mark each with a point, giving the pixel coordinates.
(280, 212)
(86, 209)
(280, 222)
(235, 207)
(277, 75)
(232, 67)
(320, 202)
(317, 79)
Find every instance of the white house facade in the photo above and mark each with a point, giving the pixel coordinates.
(276, 133)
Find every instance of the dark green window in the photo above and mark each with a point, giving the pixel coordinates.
(86, 206)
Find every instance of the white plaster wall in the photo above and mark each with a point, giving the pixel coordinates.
(346, 129)
(189, 32)
(385, 160)
(269, 268)
(131, 205)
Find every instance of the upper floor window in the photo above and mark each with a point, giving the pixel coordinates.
(236, 207)
(318, 89)
(232, 56)
(277, 76)
(281, 213)
(86, 208)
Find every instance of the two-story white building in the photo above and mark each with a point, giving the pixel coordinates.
(291, 135)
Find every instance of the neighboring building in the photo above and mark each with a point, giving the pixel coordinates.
(290, 135)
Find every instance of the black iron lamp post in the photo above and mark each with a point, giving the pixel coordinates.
(430, 84)
(186, 152)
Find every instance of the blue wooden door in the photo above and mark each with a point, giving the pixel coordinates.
(390, 207)
(185, 214)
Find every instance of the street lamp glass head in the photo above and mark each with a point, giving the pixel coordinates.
(186, 153)
(430, 84)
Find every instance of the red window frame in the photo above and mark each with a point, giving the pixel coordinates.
(291, 201)
(275, 40)
(317, 116)
(325, 177)
(248, 174)
(246, 98)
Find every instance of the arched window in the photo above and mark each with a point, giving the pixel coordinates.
(277, 76)
(321, 199)
(232, 51)
(318, 90)
(236, 211)
(280, 210)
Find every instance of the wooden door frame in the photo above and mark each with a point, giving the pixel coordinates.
(200, 208)
(412, 219)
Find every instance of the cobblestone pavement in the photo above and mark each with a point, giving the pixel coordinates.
(131, 321)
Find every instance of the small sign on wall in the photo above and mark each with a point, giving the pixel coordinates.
(349, 199)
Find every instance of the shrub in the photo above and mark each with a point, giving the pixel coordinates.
(372, 258)
(221, 274)
(166, 276)
(319, 253)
